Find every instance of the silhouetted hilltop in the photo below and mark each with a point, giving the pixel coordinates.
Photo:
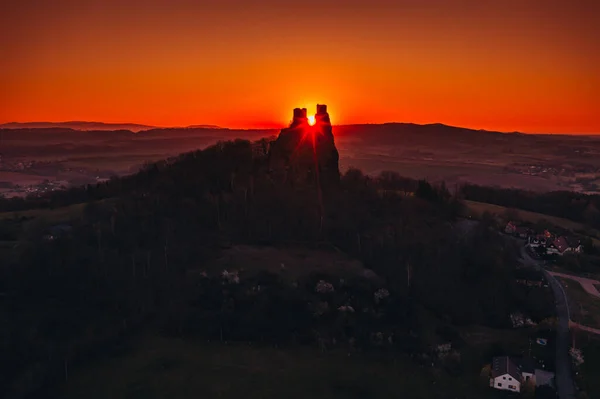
(303, 152)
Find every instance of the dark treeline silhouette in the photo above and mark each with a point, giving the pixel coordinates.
(138, 260)
(566, 204)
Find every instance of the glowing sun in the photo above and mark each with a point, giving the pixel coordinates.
(311, 120)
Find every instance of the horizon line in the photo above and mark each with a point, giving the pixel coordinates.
(283, 126)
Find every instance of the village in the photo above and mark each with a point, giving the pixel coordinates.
(573, 176)
(544, 249)
(545, 242)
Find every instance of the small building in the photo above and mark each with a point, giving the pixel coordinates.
(552, 248)
(511, 228)
(536, 241)
(527, 367)
(563, 245)
(510, 374)
(505, 375)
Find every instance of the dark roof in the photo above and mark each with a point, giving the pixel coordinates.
(504, 365)
(561, 244)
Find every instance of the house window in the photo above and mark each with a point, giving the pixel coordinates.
(510, 379)
(527, 378)
(499, 384)
(503, 378)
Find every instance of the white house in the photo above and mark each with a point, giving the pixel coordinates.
(505, 375)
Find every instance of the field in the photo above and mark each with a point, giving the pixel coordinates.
(585, 308)
(174, 368)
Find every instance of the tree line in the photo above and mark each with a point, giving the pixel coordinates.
(571, 205)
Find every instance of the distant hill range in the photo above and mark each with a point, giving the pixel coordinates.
(382, 130)
(76, 125)
(204, 127)
(387, 134)
(83, 125)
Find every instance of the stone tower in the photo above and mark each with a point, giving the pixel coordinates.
(306, 154)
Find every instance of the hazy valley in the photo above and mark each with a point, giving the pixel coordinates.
(35, 160)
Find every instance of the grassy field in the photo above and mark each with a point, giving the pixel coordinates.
(585, 308)
(174, 368)
(483, 342)
(476, 209)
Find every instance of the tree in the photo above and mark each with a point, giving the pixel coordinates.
(528, 389)
(485, 374)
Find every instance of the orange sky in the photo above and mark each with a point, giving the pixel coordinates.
(508, 65)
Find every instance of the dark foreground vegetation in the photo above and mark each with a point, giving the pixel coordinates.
(138, 262)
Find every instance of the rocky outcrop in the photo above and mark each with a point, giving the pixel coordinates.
(306, 154)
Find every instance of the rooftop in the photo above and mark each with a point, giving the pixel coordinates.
(504, 365)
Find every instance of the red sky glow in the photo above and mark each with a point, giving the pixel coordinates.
(505, 65)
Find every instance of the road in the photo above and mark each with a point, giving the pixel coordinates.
(564, 377)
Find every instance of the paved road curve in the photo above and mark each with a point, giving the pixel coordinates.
(564, 377)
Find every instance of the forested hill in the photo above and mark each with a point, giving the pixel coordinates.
(141, 259)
